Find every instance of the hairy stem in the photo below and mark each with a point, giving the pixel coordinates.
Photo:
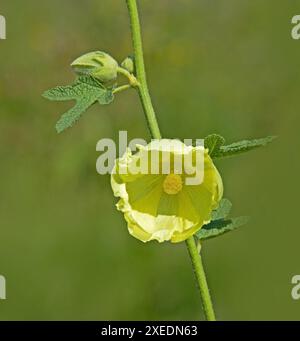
(201, 279)
(143, 90)
(140, 69)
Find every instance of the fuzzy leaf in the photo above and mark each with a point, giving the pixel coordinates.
(85, 91)
(242, 147)
(213, 143)
(220, 226)
(223, 210)
(71, 116)
(60, 93)
(106, 97)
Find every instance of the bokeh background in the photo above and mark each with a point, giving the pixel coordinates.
(228, 67)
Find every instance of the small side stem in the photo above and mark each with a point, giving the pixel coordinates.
(121, 88)
(201, 279)
(131, 78)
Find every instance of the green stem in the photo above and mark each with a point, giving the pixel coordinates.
(140, 69)
(143, 90)
(201, 279)
(131, 78)
(121, 88)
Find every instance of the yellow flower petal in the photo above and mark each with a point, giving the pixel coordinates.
(161, 206)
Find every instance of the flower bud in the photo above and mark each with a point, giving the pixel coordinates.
(128, 64)
(97, 64)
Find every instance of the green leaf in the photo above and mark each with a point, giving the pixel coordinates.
(85, 91)
(70, 117)
(60, 93)
(213, 143)
(106, 97)
(242, 147)
(223, 210)
(220, 226)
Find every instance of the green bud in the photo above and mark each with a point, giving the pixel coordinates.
(128, 64)
(97, 64)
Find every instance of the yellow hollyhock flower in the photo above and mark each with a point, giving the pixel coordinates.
(166, 206)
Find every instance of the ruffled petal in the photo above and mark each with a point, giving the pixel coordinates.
(151, 213)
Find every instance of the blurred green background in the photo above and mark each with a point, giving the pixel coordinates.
(229, 67)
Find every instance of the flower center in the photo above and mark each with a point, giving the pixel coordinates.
(172, 184)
